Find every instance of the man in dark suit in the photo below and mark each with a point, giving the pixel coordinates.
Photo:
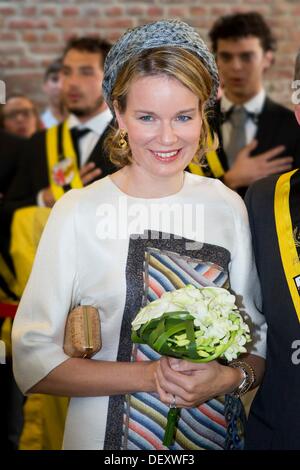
(9, 154)
(11, 399)
(274, 211)
(82, 73)
(248, 123)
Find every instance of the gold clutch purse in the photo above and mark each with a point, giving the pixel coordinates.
(83, 332)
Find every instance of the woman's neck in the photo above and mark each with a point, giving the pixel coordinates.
(138, 184)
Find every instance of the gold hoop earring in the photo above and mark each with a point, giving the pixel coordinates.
(122, 141)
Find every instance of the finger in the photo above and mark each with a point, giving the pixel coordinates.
(281, 161)
(91, 176)
(185, 366)
(168, 398)
(252, 145)
(87, 168)
(278, 169)
(172, 381)
(163, 395)
(165, 379)
(271, 153)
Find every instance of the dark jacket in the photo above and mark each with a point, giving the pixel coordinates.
(276, 125)
(10, 147)
(32, 175)
(274, 421)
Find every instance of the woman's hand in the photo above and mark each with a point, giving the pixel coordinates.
(193, 384)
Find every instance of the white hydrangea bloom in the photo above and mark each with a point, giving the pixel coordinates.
(216, 319)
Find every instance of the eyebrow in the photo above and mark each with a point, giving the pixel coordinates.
(81, 67)
(183, 111)
(231, 54)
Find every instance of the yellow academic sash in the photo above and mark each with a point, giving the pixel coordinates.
(285, 235)
(67, 166)
(213, 162)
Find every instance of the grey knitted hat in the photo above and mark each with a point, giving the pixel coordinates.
(152, 35)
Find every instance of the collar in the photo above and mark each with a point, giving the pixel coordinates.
(253, 106)
(97, 124)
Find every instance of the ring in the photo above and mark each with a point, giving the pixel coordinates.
(173, 404)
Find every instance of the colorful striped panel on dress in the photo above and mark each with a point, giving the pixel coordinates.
(168, 271)
(145, 416)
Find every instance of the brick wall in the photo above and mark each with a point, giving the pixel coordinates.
(33, 32)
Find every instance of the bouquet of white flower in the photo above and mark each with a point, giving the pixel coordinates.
(196, 324)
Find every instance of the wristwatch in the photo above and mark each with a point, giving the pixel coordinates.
(248, 378)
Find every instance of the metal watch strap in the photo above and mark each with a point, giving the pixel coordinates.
(248, 380)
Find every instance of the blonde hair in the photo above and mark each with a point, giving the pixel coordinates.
(174, 62)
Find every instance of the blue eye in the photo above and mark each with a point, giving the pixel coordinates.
(146, 118)
(183, 118)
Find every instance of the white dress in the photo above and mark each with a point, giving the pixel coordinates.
(97, 250)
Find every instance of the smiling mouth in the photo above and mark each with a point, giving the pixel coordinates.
(166, 156)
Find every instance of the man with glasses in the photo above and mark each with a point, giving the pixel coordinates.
(20, 116)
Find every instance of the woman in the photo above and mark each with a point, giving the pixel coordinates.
(111, 245)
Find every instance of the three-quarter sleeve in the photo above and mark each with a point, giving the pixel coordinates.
(52, 290)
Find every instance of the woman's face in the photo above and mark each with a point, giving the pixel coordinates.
(163, 122)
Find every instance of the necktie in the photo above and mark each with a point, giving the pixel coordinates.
(238, 119)
(77, 134)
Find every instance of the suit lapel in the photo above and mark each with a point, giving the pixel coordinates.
(215, 123)
(99, 155)
(267, 122)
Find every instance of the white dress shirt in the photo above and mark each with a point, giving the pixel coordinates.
(97, 125)
(254, 105)
(48, 119)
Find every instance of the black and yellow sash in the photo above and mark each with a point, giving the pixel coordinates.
(213, 162)
(54, 157)
(287, 208)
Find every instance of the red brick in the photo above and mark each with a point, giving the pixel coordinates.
(27, 24)
(48, 11)
(179, 12)
(29, 11)
(114, 11)
(30, 37)
(92, 12)
(8, 36)
(50, 37)
(46, 49)
(198, 11)
(113, 24)
(70, 11)
(155, 11)
(7, 11)
(135, 10)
